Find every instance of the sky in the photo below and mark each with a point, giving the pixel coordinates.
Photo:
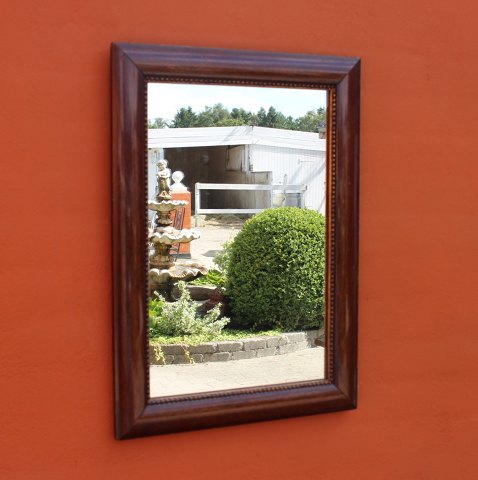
(165, 99)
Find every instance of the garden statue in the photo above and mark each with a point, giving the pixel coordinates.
(163, 271)
(164, 183)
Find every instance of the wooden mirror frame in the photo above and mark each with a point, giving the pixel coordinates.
(133, 66)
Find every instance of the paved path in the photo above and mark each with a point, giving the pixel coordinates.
(213, 236)
(306, 364)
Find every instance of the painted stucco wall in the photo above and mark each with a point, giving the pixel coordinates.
(418, 388)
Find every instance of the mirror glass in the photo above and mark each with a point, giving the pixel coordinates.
(236, 214)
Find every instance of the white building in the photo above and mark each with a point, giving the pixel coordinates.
(241, 155)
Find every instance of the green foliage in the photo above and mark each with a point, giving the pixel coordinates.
(158, 122)
(217, 276)
(216, 116)
(156, 305)
(222, 258)
(226, 334)
(213, 277)
(184, 118)
(311, 121)
(276, 270)
(220, 116)
(181, 318)
(274, 119)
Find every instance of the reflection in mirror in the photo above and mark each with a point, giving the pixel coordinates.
(236, 205)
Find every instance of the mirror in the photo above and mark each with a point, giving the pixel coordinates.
(232, 138)
(259, 150)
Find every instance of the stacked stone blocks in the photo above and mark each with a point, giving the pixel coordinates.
(223, 351)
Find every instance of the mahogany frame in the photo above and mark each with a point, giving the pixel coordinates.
(133, 66)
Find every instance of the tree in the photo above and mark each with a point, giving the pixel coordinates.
(219, 116)
(215, 116)
(184, 118)
(241, 115)
(158, 122)
(311, 121)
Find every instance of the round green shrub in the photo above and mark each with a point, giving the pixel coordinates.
(275, 275)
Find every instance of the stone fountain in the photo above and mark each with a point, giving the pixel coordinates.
(163, 271)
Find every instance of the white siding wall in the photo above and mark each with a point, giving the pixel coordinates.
(302, 167)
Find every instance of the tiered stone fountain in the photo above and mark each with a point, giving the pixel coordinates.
(163, 271)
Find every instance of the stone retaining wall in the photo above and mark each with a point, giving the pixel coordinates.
(240, 349)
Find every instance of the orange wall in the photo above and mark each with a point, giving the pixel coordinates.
(417, 417)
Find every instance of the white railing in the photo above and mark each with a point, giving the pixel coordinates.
(285, 189)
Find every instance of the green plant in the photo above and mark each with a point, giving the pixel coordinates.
(213, 277)
(160, 358)
(181, 318)
(158, 354)
(226, 334)
(276, 270)
(222, 258)
(217, 276)
(156, 306)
